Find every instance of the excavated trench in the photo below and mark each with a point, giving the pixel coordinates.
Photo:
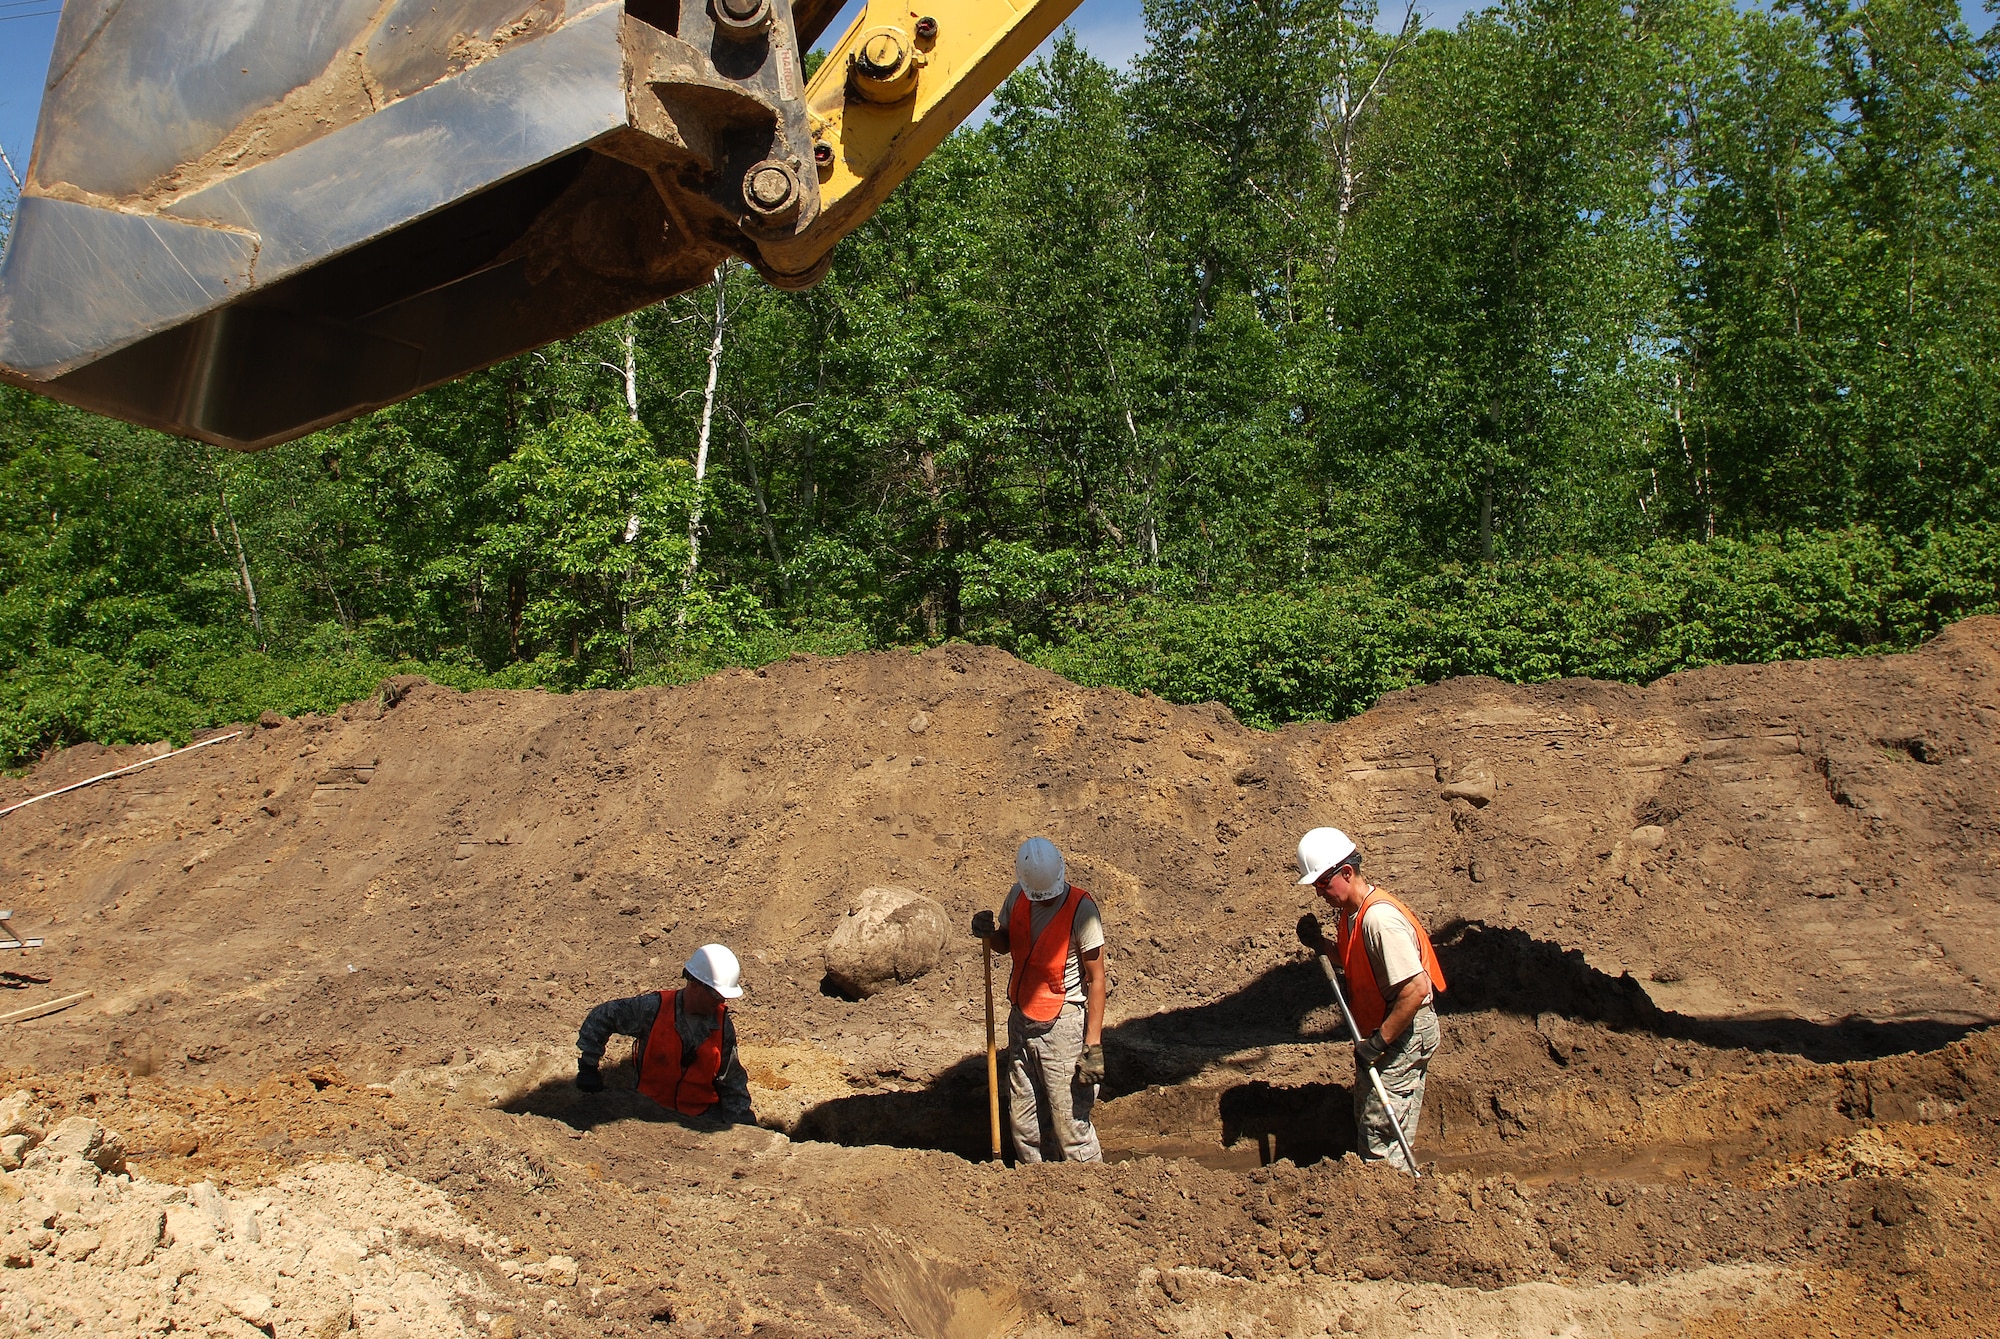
(1581, 1136)
(1549, 1070)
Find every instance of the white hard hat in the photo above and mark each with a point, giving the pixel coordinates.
(1038, 865)
(1323, 849)
(716, 967)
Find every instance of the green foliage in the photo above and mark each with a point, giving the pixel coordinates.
(1667, 607)
(1491, 393)
(71, 697)
(596, 519)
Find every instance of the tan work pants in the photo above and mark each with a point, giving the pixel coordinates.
(1050, 1110)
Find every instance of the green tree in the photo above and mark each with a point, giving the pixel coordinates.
(598, 517)
(1842, 301)
(1494, 384)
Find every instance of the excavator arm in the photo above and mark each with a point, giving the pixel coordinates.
(899, 81)
(248, 219)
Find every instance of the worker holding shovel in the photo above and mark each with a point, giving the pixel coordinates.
(1392, 976)
(1055, 1031)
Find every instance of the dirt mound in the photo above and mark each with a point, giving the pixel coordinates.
(1693, 931)
(312, 1254)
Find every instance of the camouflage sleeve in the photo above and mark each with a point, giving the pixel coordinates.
(732, 1085)
(632, 1017)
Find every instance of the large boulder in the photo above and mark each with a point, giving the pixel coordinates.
(890, 935)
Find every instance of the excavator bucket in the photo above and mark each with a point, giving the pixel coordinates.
(247, 219)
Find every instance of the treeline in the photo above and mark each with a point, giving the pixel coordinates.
(1296, 363)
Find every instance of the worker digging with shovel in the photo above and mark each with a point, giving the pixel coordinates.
(1392, 977)
(1055, 1031)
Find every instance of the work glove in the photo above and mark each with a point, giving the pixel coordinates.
(1090, 1069)
(588, 1080)
(983, 925)
(1310, 934)
(1370, 1049)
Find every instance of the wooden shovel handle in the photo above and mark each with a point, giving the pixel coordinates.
(992, 1062)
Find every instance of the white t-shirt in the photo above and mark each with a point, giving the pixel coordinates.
(1086, 932)
(1391, 942)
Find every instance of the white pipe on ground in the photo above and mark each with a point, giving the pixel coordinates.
(106, 776)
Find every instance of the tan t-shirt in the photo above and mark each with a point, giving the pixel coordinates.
(1086, 932)
(1391, 942)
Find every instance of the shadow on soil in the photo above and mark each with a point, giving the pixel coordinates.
(558, 1099)
(1503, 970)
(1513, 972)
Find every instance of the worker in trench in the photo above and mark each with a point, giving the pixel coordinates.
(1392, 980)
(1055, 1028)
(687, 1052)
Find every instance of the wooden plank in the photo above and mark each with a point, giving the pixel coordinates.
(106, 776)
(46, 1007)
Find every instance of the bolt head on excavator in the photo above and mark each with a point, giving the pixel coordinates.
(884, 66)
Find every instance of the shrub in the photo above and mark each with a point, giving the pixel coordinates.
(1328, 654)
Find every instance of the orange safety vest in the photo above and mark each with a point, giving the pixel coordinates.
(1364, 992)
(1036, 985)
(688, 1088)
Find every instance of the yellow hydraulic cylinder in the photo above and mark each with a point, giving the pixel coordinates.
(898, 82)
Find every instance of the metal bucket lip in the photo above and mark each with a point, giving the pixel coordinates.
(80, 282)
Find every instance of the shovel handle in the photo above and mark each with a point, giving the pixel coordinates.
(1381, 1092)
(992, 1063)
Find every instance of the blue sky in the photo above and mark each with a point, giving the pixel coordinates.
(27, 35)
(1113, 30)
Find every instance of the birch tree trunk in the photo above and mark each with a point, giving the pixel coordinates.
(631, 343)
(701, 445)
(243, 565)
(249, 588)
(630, 373)
(1150, 522)
(1347, 105)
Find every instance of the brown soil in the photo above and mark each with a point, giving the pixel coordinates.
(1721, 953)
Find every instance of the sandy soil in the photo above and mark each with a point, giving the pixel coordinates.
(1722, 953)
